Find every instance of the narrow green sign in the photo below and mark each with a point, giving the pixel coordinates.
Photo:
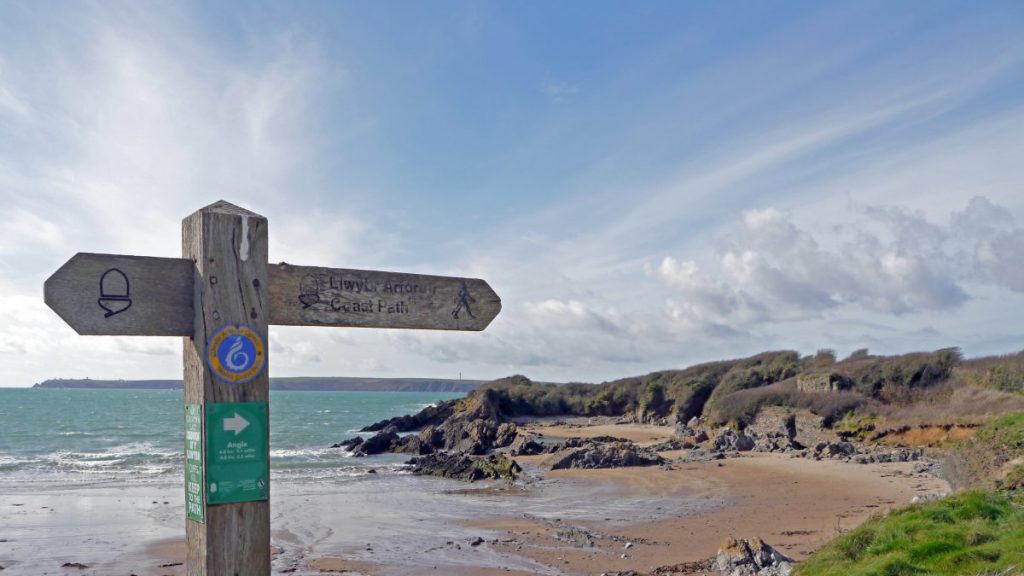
(237, 468)
(194, 505)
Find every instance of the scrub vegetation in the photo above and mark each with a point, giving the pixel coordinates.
(861, 390)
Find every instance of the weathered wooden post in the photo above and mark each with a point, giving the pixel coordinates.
(226, 381)
(220, 297)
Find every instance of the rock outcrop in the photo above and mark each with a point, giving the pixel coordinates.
(751, 558)
(729, 439)
(775, 422)
(466, 468)
(431, 415)
(600, 455)
(350, 445)
(525, 445)
(378, 443)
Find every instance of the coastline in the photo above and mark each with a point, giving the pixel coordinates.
(397, 524)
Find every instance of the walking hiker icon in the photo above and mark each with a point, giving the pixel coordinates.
(462, 301)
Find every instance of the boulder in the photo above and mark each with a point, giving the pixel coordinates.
(835, 450)
(379, 443)
(728, 439)
(505, 435)
(751, 558)
(597, 455)
(466, 468)
(525, 446)
(351, 445)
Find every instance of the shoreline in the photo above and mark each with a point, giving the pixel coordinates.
(397, 524)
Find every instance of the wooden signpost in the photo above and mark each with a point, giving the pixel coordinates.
(221, 296)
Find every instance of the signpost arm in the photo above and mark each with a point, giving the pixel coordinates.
(228, 246)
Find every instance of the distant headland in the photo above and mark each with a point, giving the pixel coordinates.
(330, 383)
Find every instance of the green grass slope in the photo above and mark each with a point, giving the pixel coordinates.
(972, 533)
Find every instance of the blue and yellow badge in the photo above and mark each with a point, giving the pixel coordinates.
(236, 354)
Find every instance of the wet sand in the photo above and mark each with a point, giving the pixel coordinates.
(391, 524)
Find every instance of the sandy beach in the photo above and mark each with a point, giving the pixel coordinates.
(569, 522)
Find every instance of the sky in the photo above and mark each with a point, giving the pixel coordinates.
(647, 185)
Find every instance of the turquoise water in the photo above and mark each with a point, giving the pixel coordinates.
(90, 436)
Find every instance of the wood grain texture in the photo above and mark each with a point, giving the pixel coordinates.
(316, 296)
(123, 295)
(228, 247)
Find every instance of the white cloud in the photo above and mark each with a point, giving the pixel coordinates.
(886, 260)
(572, 315)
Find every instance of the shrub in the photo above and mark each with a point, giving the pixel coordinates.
(742, 407)
(1004, 373)
(760, 370)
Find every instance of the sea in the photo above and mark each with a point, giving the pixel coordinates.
(95, 477)
(73, 437)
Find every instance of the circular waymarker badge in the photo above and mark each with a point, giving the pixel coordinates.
(236, 354)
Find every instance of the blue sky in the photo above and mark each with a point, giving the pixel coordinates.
(647, 185)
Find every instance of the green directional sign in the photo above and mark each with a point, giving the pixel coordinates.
(237, 468)
(194, 505)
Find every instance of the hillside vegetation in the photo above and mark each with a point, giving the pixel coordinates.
(927, 386)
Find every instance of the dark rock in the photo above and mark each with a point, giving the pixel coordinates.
(467, 468)
(73, 565)
(431, 415)
(476, 541)
(432, 437)
(475, 435)
(505, 435)
(604, 439)
(378, 443)
(351, 445)
(617, 455)
(525, 446)
(411, 445)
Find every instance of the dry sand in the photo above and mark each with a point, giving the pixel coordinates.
(794, 504)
